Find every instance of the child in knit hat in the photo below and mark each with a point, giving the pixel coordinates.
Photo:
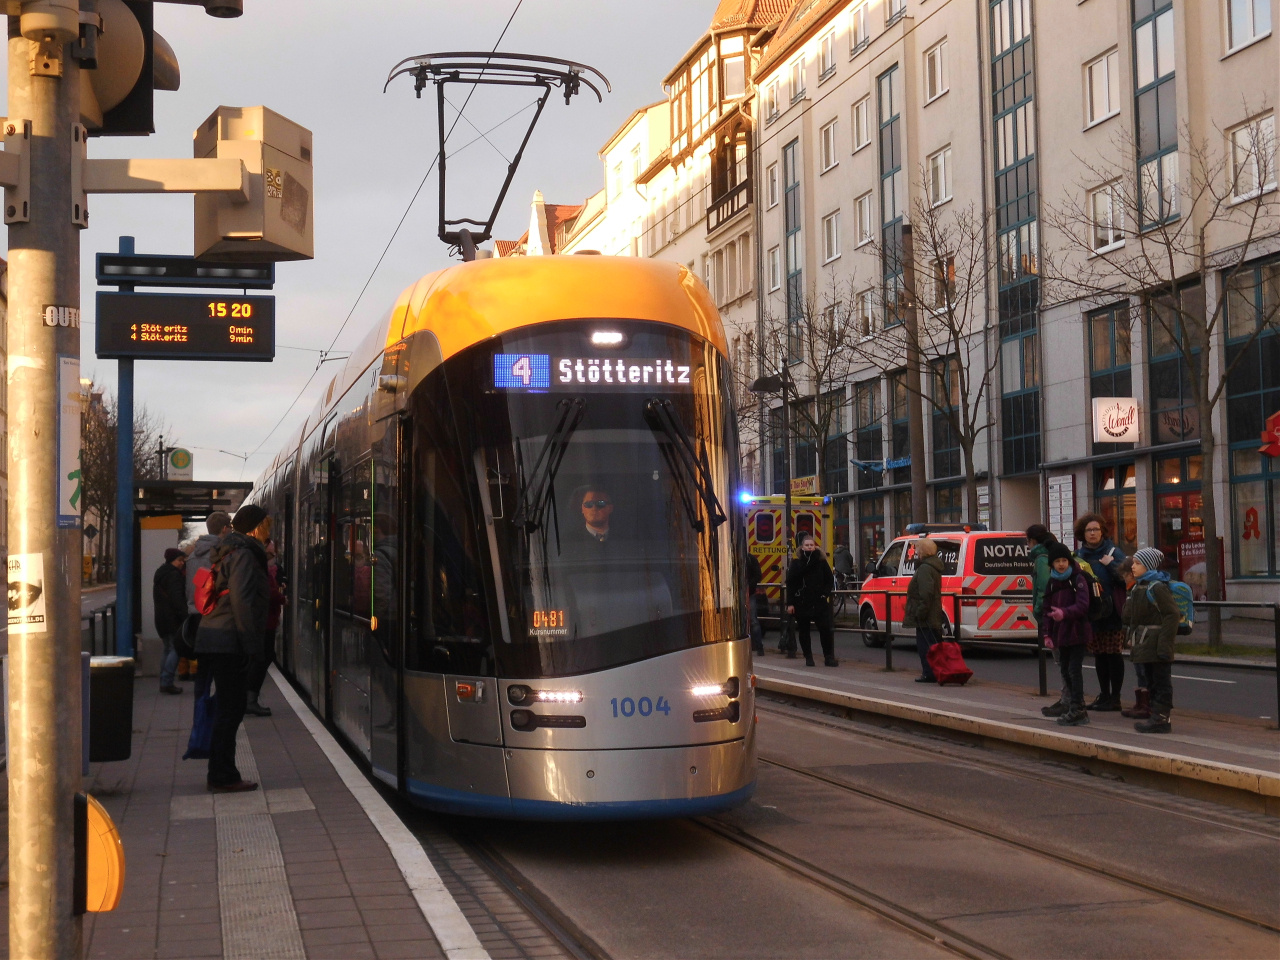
(1151, 618)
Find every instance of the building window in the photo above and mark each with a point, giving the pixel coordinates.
(860, 30)
(1173, 408)
(1115, 496)
(870, 531)
(797, 79)
(942, 286)
(893, 196)
(1020, 403)
(1253, 158)
(733, 69)
(827, 55)
(869, 438)
(894, 10)
(829, 146)
(771, 180)
(830, 237)
(1179, 508)
(1110, 356)
(617, 180)
(948, 504)
(636, 167)
(773, 95)
(1157, 110)
(935, 72)
(793, 251)
(1247, 20)
(946, 401)
(1106, 212)
(865, 306)
(862, 124)
(1102, 88)
(940, 177)
(866, 219)
(1253, 394)
(775, 269)
(900, 433)
(835, 452)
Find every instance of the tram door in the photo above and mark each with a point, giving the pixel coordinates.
(386, 591)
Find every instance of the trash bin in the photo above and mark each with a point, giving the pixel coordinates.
(110, 708)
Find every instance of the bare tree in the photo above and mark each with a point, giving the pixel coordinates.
(945, 281)
(816, 345)
(1159, 234)
(99, 462)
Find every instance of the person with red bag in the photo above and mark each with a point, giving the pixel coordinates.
(924, 604)
(1067, 627)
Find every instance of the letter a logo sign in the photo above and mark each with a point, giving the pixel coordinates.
(1271, 436)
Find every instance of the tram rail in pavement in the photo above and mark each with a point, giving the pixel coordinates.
(1222, 758)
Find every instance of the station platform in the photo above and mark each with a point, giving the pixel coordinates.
(1234, 753)
(313, 865)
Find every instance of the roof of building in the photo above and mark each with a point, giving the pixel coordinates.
(557, 214)
(804, 17)
(748, 13)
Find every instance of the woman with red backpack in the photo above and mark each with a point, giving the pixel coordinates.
(1067, 628)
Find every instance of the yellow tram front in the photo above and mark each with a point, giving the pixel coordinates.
(577, 643)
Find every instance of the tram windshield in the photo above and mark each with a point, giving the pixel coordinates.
(603, 482)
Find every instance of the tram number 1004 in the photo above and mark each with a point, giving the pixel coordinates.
(644, 707)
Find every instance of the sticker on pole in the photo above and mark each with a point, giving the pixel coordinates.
(26, 593)
(70, 409)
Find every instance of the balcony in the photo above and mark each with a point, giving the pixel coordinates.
(724, 208)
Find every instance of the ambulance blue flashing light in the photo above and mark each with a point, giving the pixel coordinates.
(744, 496)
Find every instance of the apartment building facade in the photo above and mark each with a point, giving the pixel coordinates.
(1046, 121)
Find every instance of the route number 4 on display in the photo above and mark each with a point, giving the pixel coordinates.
(644, 707)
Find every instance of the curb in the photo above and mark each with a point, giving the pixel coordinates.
(1243, 664)
(1230, 776)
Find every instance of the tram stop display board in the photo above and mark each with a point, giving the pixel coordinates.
(175, 326)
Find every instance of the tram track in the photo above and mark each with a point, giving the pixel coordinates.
(575, 941)
(897, 914)
(1107, 873)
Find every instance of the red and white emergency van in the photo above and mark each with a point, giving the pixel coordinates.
(986, 577)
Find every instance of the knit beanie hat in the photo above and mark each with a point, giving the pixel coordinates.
(248, 518)
(1039, 533)
(1059, 551)
(1149, 557)
(172, 554)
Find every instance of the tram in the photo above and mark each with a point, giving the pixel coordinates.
(513, 551)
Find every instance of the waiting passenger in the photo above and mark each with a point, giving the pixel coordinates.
(218, 524)
(1141, 708)
(1066, 609)
(1040, 540)
(924, 604)
(1151, 617)
(809, 585)
(169, 593)
(1107, 642)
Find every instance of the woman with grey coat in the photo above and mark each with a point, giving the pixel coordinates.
(924, 604)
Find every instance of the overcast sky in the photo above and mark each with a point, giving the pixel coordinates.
(322, 63)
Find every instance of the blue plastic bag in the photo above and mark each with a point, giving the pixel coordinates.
(206, 709)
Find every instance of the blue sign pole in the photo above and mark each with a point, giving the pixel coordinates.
(125, 574)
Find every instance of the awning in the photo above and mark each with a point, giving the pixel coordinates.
(192, 499)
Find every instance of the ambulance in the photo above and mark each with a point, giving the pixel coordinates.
(765, 537)
(987, 580)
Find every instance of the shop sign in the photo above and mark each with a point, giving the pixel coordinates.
(804, 486)
(1115, 420)
(1193, 570)
(1271, 436)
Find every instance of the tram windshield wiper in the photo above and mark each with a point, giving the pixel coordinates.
(687, 467)
(537, 489)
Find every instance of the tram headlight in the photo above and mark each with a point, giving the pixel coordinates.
(730, 688)
(608, 338)
(558, 696)
(518, 693)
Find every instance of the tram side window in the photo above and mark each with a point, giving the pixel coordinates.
(450, 630)
(352, 570)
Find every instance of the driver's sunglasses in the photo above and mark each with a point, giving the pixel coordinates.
(596, 504)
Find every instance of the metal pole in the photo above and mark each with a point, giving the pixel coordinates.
(44, 654)
(1275, 622)
(1044, 667)
(888, 632)
(915, 394)
(124, 496)
(788, 639)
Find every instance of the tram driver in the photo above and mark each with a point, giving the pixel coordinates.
(597, 508)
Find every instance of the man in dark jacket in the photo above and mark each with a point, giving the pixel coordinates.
(924, 604)
(231, 638)
(169, 591)
(809, 585)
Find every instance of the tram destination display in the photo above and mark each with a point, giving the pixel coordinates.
(540, 373)
(165, 326)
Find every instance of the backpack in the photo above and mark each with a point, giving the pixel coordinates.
(206, 593)
(1185, 600)
(1101, 606)
(947, 663)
